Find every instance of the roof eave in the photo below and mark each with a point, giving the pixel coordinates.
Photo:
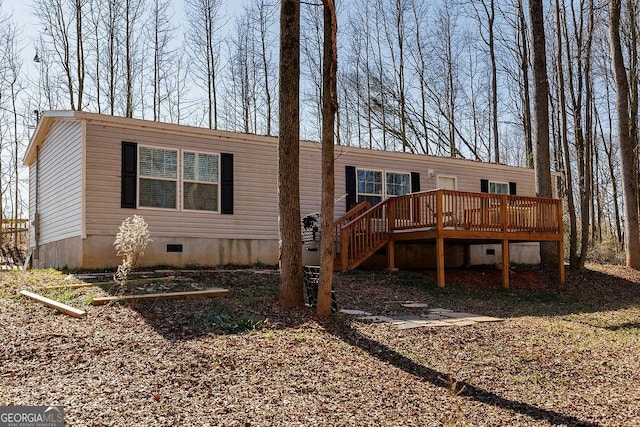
(42, 129)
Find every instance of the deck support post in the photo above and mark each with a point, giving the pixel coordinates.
(505, 264)
(440, 261)
(391, 256)
(561, 262)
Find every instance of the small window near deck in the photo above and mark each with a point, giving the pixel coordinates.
(398, 184)
(370, 186)
(498, 187)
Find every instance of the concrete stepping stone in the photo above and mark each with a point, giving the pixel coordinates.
(432, 316)
(355, 312)
(484, 319)
(408, 318)
(459, 315)
(415, 305)
(459, 322)
(377, 319)
(430, 323)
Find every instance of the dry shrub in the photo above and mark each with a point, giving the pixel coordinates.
(606, 252)
(131, 241)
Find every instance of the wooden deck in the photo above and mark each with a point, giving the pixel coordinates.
(441, 215)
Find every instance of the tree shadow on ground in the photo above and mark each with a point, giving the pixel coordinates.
(383, 353)
(533, 292)
(251, 305)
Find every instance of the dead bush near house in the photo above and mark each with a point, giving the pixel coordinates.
(131, 241)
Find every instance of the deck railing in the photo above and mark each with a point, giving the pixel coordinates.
(363, 234)
(477, 211)
(346, 218)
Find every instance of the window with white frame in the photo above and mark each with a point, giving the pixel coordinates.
(372, 188)
(158, 183)
(398, 184)
(445, 182)
(160, 177)
(200, 179)
(498, 187)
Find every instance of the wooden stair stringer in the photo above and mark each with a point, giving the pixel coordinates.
(355, 263)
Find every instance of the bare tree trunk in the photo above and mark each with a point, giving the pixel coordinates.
(128, 61)
(489, 40)
(329, 108)
(203, 18)
(542, 159)
(608, 149)
(114, 11)
(289, 156)
(526, 97)
(264, 15)
(625, 140)
(568, 176)
(80, 59)
(576, 81)
(632, 54)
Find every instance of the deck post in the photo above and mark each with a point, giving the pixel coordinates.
(504, 214)
(439, 220)
(561, 262)
(391, 255)
(344, 249)
(505, 263)
(440, 261)
(561, 277)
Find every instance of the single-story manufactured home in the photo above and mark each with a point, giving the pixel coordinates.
(210, 196)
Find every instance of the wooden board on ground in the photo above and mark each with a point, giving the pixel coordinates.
(207, 293)
(67, 309)
(112, 283)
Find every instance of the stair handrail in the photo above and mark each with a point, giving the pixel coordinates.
(356, 247)
(352, 213)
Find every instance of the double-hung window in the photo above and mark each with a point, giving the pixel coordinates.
(374, 186)
(158, 178)
(173, 179)
(370, 186)
(200, 179)
(398, 184)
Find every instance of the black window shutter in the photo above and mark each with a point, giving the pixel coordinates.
(350, 185)
(512, 188)
(227, 183)
(415, 182)
(129, 173)
(484, 185)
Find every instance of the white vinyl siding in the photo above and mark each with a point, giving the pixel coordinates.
(468, 173)
(60, 182)
(255, 180)
(32, 205)
(255, 186)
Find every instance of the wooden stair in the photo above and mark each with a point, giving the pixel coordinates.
(360, 233)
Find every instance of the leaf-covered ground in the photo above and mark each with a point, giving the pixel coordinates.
(563, 356)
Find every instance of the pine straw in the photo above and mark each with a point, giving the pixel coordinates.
(563, 356)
